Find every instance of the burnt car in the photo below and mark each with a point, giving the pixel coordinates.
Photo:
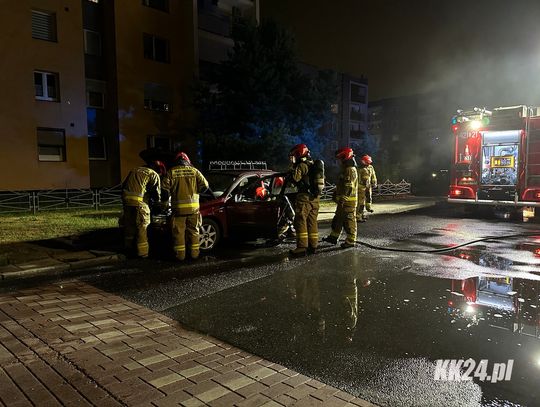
(240, 204)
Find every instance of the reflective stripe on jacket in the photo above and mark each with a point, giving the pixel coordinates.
(347, 187)
(184, 184)
(140, 183)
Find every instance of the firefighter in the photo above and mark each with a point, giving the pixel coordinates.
(345, 198)
(367, 179)
(184, 183)
(307, 202)
(141, 186)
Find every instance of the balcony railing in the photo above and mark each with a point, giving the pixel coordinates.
(219, 24)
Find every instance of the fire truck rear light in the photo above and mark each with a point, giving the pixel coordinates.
(537, 252)
(457, 192)
(537, 195)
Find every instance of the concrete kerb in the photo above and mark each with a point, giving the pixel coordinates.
(12, 272)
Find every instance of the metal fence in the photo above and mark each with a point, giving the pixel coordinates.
(36, 201)
(387, 188)
(59, 199)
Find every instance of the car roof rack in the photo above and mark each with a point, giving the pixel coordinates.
(237, 165)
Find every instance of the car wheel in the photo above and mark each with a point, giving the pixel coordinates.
(209, 234)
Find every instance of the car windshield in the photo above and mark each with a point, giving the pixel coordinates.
(220, 182)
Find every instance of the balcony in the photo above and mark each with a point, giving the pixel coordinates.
(215, 23)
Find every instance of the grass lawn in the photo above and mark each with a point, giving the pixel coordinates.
(48, 225)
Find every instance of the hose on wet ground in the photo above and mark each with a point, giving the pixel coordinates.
(446, 249)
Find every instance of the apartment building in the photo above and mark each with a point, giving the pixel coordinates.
(94, 82)
(43, 143)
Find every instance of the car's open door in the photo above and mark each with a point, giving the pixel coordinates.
(251, 214)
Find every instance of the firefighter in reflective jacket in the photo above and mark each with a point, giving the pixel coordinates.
(345, 198)
(140, 186)
(306, 205)
(367, 179)
(184, 183)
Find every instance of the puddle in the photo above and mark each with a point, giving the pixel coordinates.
(356, 322)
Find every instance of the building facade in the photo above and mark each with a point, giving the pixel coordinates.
(94, 82)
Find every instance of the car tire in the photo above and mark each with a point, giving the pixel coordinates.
(210, 235)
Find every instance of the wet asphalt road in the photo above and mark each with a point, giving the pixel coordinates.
(370, 322)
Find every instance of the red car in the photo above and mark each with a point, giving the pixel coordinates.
(244, 205)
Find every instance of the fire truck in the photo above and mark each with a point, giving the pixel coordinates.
(497, 159)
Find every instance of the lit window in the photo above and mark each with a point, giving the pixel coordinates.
(46, 86)
(44, 25)
(92, 43)
(156, 48)
(51, 144)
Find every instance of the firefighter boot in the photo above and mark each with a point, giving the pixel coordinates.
(330, 239)
(311, 250)
(347, 245)
(298, 252)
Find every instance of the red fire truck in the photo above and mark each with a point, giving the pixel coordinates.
(497, 158)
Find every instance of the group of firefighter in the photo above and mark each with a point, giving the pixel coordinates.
(182, 184)
(353, 196)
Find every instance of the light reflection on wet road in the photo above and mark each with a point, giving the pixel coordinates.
(373, 322)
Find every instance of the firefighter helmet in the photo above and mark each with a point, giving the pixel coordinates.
(345, 153)
(160, 168)
(299, 151)
(366, 159)
(278, 182)
(181, 156)
(261, 192)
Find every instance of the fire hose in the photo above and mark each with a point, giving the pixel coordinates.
(446, 249)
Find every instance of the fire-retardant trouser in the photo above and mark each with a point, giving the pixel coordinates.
(186, 227)
(136, 220)
(344, 218)
(305, 221)
(363, 193)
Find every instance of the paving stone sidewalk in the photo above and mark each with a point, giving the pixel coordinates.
(75, 345)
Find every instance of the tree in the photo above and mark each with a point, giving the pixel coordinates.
(258, 103)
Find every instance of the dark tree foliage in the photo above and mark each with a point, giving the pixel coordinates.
(258, 103)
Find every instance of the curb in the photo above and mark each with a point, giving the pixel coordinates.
(408, 208)
(61, 269)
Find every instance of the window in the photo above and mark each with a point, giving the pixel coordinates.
(95, 93)
(95, 99)
(51, 144)
(356, 113)
(157, 97)
(46, 86)
(160, 142)
(156, 48)
(44, 25)
(356, 130)
(92, 43)
(358, 93)
(162, 5)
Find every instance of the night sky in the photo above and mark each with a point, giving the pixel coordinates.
(487, 52)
